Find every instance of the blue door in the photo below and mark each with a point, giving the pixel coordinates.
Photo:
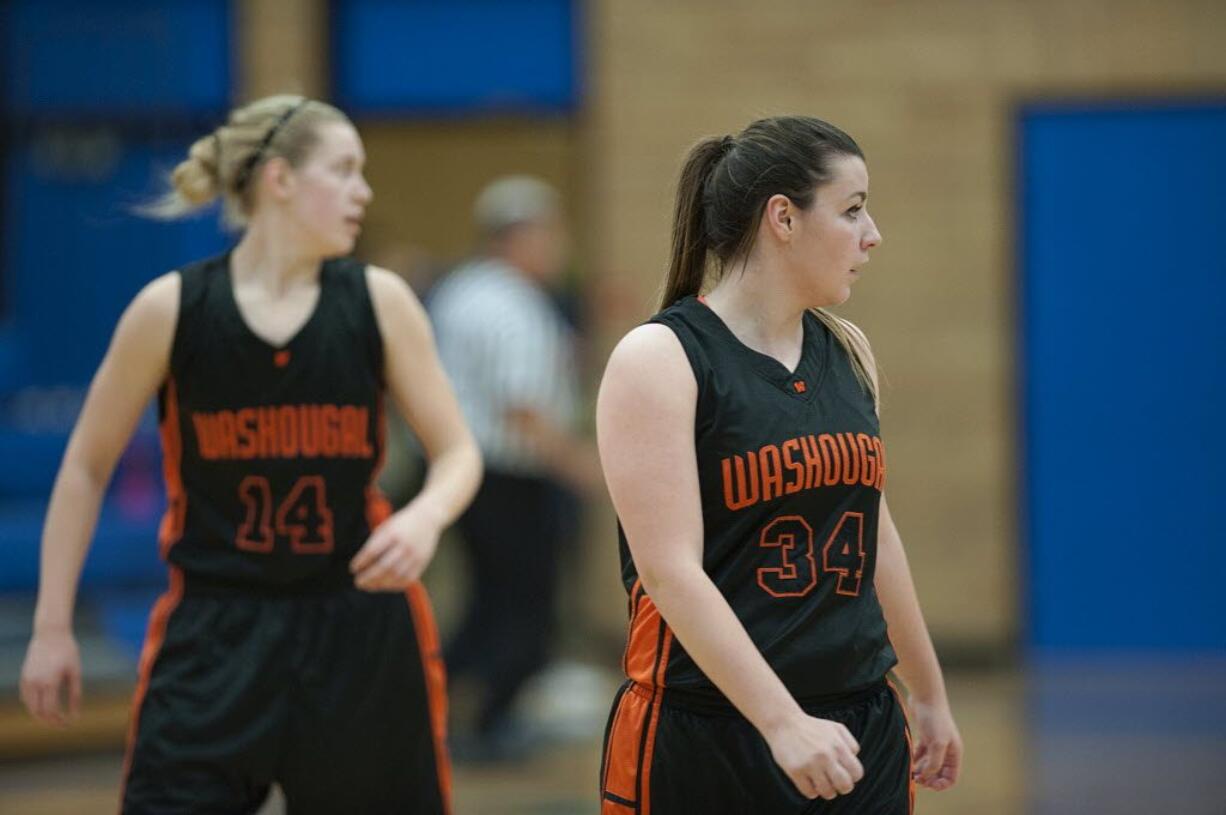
(1123, 375)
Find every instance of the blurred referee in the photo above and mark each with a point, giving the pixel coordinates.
(510, 353)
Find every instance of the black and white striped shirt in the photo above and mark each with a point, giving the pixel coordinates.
(506, 346)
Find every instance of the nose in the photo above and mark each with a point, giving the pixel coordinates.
(364, 193)
(872, 237)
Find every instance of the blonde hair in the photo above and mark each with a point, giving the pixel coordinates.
(224, 163)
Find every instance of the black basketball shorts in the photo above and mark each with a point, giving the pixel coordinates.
(337, 696)
(667, 753)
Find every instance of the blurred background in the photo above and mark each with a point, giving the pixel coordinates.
(1047, 309)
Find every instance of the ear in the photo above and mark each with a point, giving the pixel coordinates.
(778, 217)
(279, 178)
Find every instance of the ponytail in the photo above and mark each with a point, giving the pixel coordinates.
(194, 182)
(688, 263)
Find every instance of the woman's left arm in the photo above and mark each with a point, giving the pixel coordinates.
(399, 550)
(937, 745)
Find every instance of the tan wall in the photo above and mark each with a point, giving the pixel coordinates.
(426, 175)
(282, 46)
(930, 90)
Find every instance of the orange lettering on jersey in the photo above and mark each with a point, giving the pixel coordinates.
(308, 430)
(868, 473)
(206, 439)
(744, 492)
(226, 443)
(775, 470)
(367, 450)
(880, 448)
(287, 430)
(247, 440)
(284, 431)
(813, 462)
(830, 454)
(351, 442)
(797, 482)
(355, 422)
(772, 472)
(266, 432)
(330, 441)
(851, 458)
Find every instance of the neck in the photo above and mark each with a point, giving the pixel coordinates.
(763, 313)
(267, 257)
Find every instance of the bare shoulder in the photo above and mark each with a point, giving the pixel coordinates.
(141, 347)
(645, 343)
(387, 286)
(399, 313)
(154, 310)
(389, 290)
(160, 295)
(650, 362)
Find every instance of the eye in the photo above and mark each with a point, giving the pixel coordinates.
(854, 212)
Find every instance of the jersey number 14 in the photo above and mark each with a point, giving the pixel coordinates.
(302, 517)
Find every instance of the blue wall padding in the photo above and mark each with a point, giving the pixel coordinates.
(456, 56)
(1123, 375)
(137, 58)
(75, 254)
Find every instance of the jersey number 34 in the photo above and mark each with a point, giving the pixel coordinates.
(789, 540)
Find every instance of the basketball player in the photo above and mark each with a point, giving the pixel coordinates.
(295, 644)
(769, 591)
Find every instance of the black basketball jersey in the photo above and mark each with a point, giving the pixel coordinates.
(270, 453)
(790, 469)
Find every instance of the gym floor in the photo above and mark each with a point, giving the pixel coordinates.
(1078, 736)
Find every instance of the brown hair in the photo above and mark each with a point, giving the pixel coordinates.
(223, 163)
(722, 193)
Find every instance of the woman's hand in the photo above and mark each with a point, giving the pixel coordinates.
(398, 551)
(937, 756)
(52, 667)
(819, 756)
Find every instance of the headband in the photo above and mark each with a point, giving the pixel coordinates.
(244, 174)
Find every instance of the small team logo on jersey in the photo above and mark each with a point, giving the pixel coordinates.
(281, 359)
(799, 386)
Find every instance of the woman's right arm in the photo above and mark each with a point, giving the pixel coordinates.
(645, 431)
(134, 366)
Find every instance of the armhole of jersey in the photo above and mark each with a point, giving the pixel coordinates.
(180, 332)
(173, 360)
(374, 334)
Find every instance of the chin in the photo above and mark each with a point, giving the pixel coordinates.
(339, 247)
(827, 299)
